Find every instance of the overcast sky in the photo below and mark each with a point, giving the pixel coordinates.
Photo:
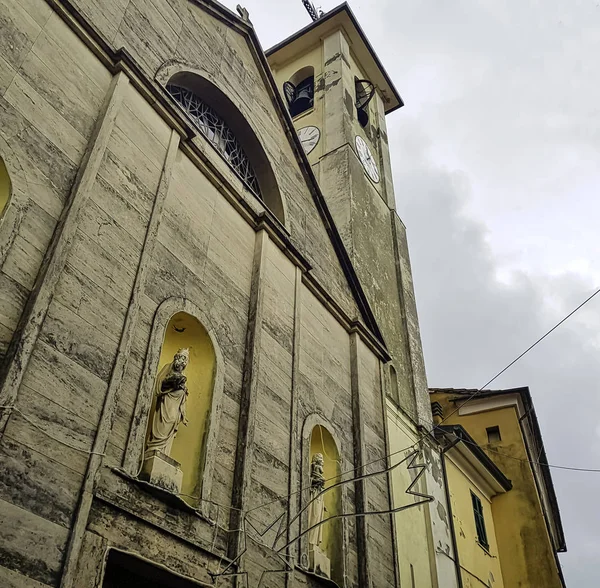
(496, 163)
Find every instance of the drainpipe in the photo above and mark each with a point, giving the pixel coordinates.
(450, 516)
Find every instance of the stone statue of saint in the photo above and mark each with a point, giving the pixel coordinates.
(316, 510)
(171, 395)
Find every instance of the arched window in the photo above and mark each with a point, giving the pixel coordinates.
(216, 130)
(325, 544)
(394, 385)
(174, 456)
(222, 124)
(299, 91)
(5, 187)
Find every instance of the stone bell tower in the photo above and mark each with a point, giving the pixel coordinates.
(338, 95)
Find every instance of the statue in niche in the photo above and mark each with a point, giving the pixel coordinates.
(171, 395)
(316, 510)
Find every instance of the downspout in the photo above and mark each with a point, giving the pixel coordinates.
(450, 515)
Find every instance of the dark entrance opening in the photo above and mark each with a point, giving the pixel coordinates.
(126, 571)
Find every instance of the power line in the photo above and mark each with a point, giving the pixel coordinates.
(422, 436)
(432, 431)
(530, 461)
(518, 358)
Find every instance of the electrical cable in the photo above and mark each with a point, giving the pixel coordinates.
(530, 461)
(518, 357)
(389, 468)
(430, 432)
(50, 435)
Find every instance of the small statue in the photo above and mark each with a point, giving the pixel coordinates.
(316, 510)
(171, 395)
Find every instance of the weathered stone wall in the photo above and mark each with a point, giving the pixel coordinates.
(365, 213)
(156, 31)
(51, 90)
(147, 218)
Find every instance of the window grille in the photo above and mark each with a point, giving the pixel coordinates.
(215, 129)
(479, 521)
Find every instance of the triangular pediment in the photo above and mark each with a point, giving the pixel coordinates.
(223, 47)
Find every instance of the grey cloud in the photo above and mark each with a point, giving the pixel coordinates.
(473, 325)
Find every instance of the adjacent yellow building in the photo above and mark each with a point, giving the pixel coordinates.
(523, 524)
(473, 482)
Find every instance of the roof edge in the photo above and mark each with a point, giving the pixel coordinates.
(461, 435)
(344, 7)
(525, 394)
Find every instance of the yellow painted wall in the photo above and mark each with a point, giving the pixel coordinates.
(411, 524)
(321, 441)
(5, 187)
(478, 565)
(189, 443)
(525, 550)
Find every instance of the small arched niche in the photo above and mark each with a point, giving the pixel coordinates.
(226, 129)
(394, 385)
(330, 536)
(188, 448)
(5, 188)
(299, 91)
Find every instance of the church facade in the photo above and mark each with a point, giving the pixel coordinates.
(206, 308)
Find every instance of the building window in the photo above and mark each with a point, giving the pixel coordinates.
(5, 187)
(216, 130)
(493, 434)
(300, 91)
(479, 521)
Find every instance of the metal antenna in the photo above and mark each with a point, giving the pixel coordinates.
(310, 7)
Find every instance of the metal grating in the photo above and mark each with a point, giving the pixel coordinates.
(215, 129)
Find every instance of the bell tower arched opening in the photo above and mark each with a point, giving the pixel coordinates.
(299, 91)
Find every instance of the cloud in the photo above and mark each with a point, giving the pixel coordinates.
(473, 324)
(496, 176)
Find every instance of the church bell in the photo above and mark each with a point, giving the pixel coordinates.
(300, 98)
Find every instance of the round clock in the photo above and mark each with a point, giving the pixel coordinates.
(367, 159)
(309, 137)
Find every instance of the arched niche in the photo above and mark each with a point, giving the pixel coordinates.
(320, 438)
(178, 323)
(5, 188)
(186, 332)
(14, 197)
(218, 101)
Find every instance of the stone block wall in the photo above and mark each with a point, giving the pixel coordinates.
(118, 211)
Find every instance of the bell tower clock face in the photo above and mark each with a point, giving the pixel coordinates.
(367, 159)
(309, 137)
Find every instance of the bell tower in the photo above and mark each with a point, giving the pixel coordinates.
(338, 95)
